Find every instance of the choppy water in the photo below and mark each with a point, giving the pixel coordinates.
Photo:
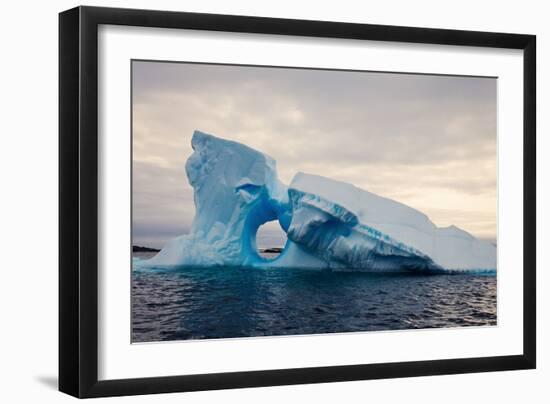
(197, 303)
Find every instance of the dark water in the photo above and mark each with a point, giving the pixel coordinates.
(195, 303)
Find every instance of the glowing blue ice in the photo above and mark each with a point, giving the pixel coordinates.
(236, 191)
(329, 224)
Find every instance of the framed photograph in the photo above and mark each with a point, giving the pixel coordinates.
(249, 201)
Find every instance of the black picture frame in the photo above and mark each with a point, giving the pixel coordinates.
(78, 201)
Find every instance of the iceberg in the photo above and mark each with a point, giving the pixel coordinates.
(329, 224)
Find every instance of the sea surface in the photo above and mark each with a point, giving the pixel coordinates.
(204, 303)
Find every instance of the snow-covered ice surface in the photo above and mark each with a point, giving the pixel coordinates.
(329, 224)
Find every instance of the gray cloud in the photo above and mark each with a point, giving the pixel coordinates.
(428, 141)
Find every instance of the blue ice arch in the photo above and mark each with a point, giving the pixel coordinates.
(329, 224)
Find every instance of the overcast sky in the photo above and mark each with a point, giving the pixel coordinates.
(427, 141)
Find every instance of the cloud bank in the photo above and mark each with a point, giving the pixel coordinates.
(427, 141)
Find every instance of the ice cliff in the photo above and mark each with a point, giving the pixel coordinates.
(329, 224)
